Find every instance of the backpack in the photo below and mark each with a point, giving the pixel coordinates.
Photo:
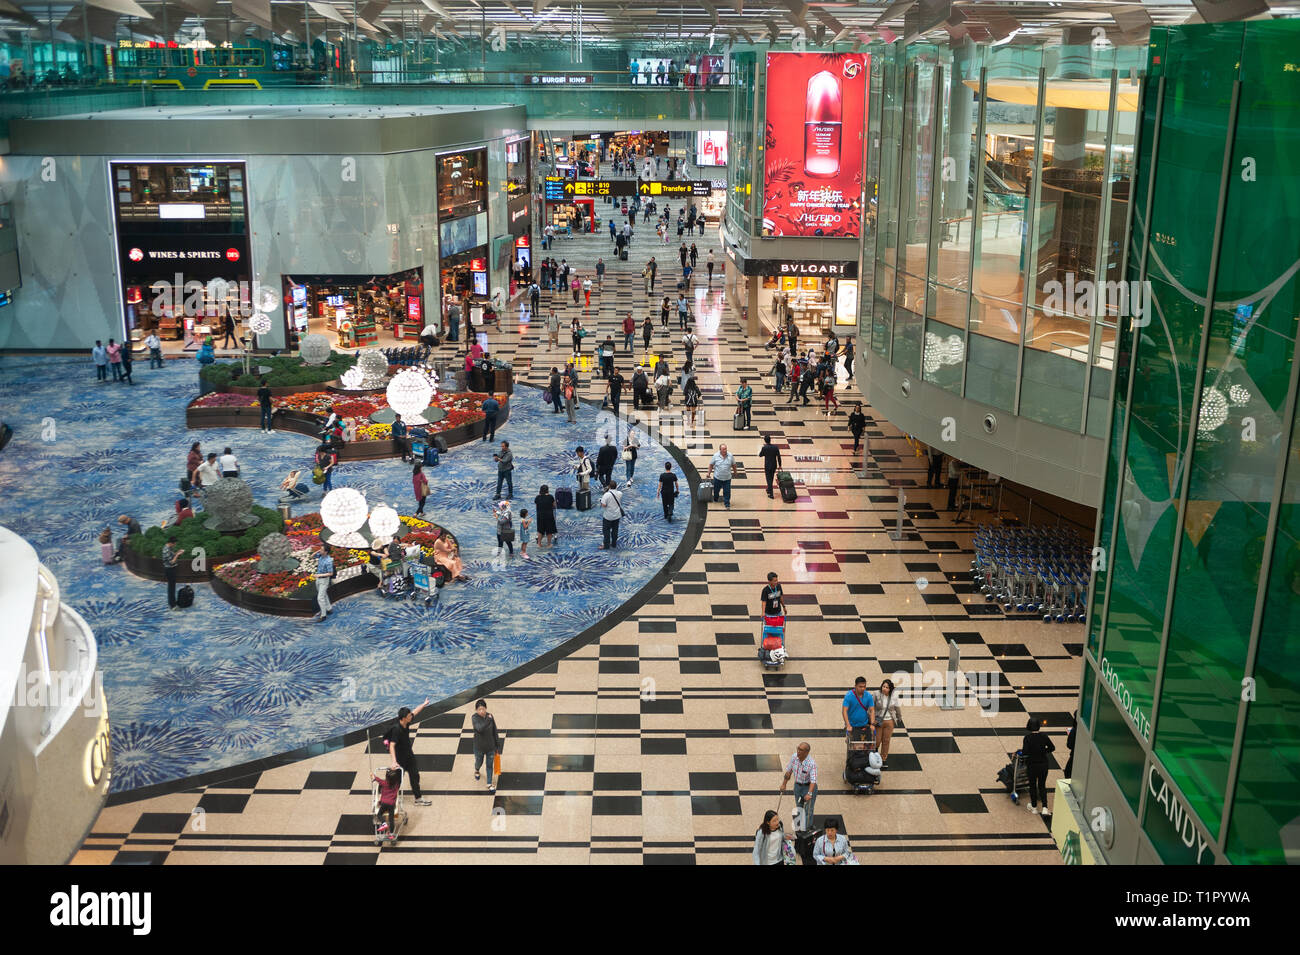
(317, 475)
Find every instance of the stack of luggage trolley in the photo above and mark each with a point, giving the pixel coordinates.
(1033, 570)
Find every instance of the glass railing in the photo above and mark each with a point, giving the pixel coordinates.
(582, 96)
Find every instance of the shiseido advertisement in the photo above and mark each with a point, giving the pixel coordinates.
(816, 123)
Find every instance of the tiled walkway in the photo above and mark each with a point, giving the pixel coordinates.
(663, 741)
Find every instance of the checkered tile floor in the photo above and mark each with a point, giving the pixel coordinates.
(663, 741)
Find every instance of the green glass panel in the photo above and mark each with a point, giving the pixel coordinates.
(1179, 837)
(1089, 694)
(1121, 750)
(1264, 806)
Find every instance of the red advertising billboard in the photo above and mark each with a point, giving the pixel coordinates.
(816, 112)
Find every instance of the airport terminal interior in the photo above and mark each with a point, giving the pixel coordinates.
(722, 433)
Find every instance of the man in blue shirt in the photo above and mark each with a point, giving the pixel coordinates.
(490, 408)
(859, 710)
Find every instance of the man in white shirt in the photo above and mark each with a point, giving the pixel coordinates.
(611, 503)
(229, 464)
(429, 335)
(553, 328)
(584, 469)
(154, 344)
(803, 768)
(720, 470)
(207, 473)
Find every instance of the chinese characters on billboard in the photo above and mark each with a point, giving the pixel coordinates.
(816, 111)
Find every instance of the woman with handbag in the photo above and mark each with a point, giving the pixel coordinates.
(770, 844)
(579, 333)
(631, 444)
(487, 741)
(420, 483)
(886, 713)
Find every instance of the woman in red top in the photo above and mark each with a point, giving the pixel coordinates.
(194, 459)
(421, 485)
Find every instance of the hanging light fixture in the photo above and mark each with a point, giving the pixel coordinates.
(259, 324)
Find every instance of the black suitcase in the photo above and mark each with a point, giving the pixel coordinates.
(786, 483)
(584, 500)
(563, 498)
(622, 253)
(185, 596)
(803, 845)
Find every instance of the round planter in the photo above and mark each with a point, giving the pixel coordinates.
(332, 385)
(151, 568)
(300, 422)
(292, 606)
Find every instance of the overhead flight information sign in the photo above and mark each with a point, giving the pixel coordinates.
(558, 189)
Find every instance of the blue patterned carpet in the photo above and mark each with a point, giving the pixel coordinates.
(214, 686)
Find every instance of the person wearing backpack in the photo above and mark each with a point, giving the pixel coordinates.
(487, 741)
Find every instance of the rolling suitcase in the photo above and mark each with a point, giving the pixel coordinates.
(563, 498)
(738, 422)
(431, 456)
(584, 499)
(622, 253)
(786, 483)
(803, 845)
(705, 492)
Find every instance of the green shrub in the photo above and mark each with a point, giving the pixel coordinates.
(286, 371)
(190, 533)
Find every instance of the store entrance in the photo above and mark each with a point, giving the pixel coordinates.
(356, 311)
(818, 305)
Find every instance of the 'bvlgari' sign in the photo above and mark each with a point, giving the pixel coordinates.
(833, 269)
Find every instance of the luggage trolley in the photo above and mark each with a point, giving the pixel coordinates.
(384, 835)
(771, 649)
(862, 764)
(1015, 776)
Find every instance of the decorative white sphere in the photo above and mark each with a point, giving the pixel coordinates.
(1239, 395)
(265, 298)
(1214, 410)
(352, 378)
(314, 349)
(259, 324)
(409, 393)
(384, 521)
(373, 363)
(343, 510)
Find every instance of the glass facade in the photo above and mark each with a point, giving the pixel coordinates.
(1004, 180)
(1195, 626)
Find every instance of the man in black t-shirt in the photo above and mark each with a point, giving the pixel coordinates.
(606, 458)
(264, 400)
(398, 741)
(771, 456)
(668, 490)
(615, 385)
(772, 598)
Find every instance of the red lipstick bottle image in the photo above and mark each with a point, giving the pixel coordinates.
(822, 126)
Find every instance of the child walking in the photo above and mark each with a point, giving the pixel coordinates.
(525, 524)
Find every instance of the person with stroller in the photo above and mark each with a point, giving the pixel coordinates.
(389, 785)
(1035, 747)
(803, 768)
(397, 740)
(859, 710)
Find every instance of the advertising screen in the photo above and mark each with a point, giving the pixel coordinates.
(816, 120)
(711, 147)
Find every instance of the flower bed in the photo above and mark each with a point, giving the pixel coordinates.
(306, 412)
(293, 593)
(143, 553)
